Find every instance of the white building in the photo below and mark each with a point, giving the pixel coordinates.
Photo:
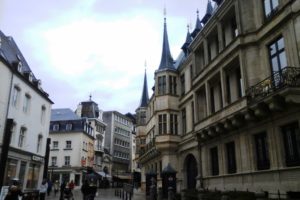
(28, 105)
(72, 146)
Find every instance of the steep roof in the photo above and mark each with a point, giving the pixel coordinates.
(166, 61)
(63, 114)
(12, 54)
(145, 97)
(188, 41)
(209, 12)
(198, 26)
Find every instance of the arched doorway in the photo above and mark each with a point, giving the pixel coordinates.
(191, 171)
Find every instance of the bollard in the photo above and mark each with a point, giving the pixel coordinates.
(159, 196)
(171, 195)
(183, 197)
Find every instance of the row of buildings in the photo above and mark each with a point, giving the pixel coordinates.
(89, 137)
(39, 142)
(225, 114)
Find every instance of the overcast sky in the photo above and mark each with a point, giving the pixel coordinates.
(97, 47)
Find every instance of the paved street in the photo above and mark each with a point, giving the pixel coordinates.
(108, 194)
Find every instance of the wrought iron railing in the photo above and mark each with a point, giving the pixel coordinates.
(287, 77)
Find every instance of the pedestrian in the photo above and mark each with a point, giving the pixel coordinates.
(49, 189)
(43, 189)
(91, 179)
(71, 185)
(62, 189)
(14, 191)
(56, 187)
(84, 189)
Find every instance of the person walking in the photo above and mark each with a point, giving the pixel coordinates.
(91, 180)
(56, 187)
(62, 190)
(84, 189)
(14, 191)
(49, 189)
(43, 189)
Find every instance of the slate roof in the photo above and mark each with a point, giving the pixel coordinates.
(188, 41)
(198, 26)
(145, 97)
(166, 61)
(63, 114)
(209, 12)
(12, 56)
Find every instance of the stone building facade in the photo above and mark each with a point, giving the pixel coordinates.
(226, 114)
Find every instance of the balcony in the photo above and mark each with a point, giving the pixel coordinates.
(289, 77)
(98, 149)
(271, 95)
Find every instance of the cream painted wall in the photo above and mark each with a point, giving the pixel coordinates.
(30, 120)
(5, 82)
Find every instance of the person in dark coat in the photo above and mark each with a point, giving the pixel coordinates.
(14, 191)
(62, 189)
(85, 189)
(91, 180)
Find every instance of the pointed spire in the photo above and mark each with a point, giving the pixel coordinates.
(145, 98)
(188, 41)
(166, 58)
(209, 12)
(198, 26)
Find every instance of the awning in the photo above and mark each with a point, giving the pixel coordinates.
(124, 177)
(104, 175)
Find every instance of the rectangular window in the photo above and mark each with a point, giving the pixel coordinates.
(55, 145)
(22, 137)
(68, 144)
(183, 118)
(39, 143)
(277, 58)
(172, 85)
(43, 114)
(214, 161)
(33, 175)
(291, 139)
(15, 97)
(228, 90)
(26, 103)
(212, 100)
(162, 85)
(68, 127)
(231, 160)
(182, 81)
(262, 151)
(271, 7)
(67, 160)
(173, 124)
(162, 124)
(53, 161)
(55, 127)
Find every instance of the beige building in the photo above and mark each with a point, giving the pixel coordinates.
(226, 114)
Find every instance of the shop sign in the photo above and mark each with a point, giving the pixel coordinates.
(37, 158)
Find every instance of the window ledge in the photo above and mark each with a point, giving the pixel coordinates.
(54, 150)
(68, 149)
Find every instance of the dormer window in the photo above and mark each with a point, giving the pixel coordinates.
(20, 66)
(55, 127)
(39, 84)
(68, 127)
(30, 77)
